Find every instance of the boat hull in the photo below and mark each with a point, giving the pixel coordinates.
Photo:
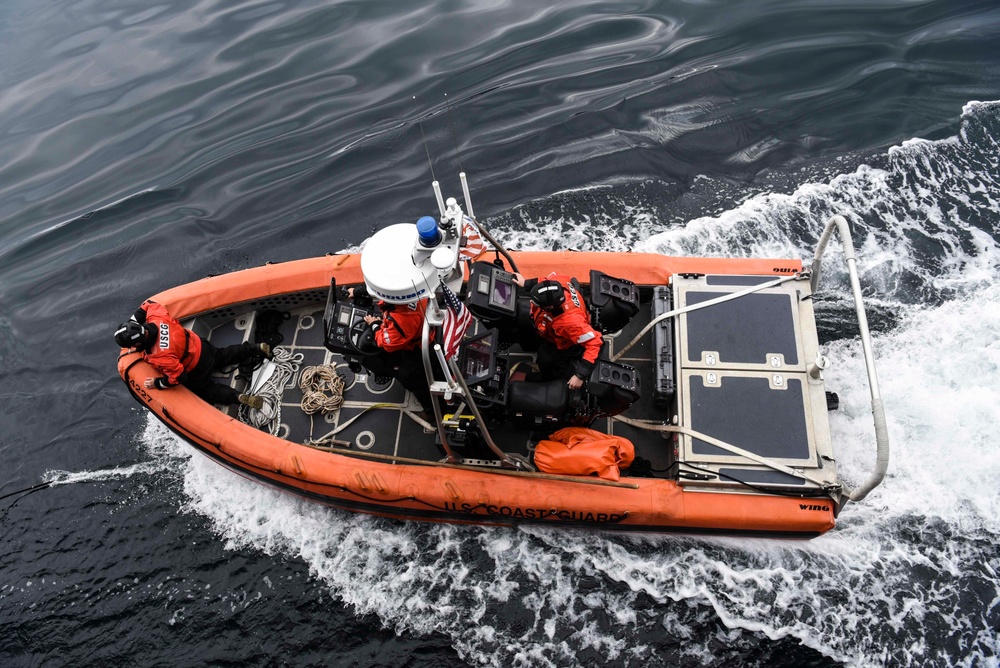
(432, 491)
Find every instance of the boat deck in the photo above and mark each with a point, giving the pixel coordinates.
(741, 377)
(385, 428)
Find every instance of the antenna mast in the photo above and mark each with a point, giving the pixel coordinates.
(434, 181)
(458, 154)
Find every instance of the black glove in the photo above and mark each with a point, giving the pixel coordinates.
(361, 296)
(584, 369)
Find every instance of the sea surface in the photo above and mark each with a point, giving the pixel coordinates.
(148, 144)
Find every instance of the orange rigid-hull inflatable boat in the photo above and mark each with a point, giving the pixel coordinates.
(710, 373)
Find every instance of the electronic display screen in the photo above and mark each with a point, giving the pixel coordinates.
(503, 294)
(477, 366)
(359, 314)
(344, 317)
(478, 359)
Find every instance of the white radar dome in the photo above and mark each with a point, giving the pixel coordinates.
(389, 270)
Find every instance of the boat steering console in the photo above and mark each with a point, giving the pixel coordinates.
(345, 331)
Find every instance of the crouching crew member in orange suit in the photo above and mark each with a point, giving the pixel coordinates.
(570, 346)
(183, 357)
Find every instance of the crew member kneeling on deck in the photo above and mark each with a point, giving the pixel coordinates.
(183, 357)
(570, 346)
(398, 333)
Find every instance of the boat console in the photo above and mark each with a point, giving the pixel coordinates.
(344, 329)
(500, 305)
(485, 359)
(492, 292)
(484, 370)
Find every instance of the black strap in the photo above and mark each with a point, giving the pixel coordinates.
(187, 345)
(388, 316)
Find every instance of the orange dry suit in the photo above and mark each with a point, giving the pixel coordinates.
(399, 336)
(570, 328)
(402, 327)
(174, 351)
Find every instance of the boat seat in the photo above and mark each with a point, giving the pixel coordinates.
(550, 398)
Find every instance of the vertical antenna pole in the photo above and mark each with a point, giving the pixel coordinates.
(424, 137)
(434, 181)
(440, 198)
(458, 154)
(454, 140)
(468, 197)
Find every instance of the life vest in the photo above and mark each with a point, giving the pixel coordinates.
(581, 451)
(572, 326)
(402, 327)
(175, 351)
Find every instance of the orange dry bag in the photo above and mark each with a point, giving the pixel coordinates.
(580, 451)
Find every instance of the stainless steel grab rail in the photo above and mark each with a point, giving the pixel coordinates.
(878, 409)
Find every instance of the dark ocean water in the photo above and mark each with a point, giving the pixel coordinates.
(143, 145)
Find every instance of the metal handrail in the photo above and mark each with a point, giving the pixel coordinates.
(505, 459)
(878, 409)
(429, 314)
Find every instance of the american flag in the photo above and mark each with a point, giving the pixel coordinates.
(474, 244)
(456, 321)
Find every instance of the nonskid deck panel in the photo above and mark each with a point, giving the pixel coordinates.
(744, 378)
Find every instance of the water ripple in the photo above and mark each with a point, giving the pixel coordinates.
(144, 145)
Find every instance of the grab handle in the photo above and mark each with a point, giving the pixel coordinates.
(878, 409)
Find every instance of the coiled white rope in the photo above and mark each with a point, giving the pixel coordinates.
(286, 365)
(322, 389)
